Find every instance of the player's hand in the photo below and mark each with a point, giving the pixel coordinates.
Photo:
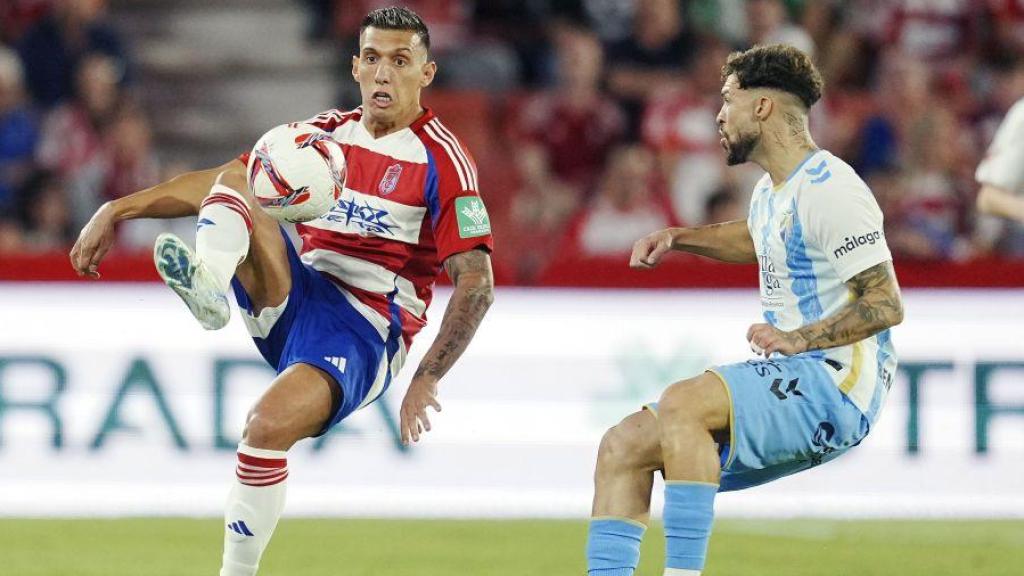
(413, 419)
(647, 251)
(765, 339)
(93, 242)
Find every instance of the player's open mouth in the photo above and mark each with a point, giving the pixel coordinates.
(382, 99)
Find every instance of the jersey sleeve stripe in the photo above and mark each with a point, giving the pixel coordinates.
(429, 128)
(470, 170)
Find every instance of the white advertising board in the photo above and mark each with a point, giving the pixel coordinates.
(114, 402)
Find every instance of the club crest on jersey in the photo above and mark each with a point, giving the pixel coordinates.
(786, 226)
(390, 180)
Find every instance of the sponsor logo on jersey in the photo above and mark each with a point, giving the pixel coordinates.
(390, 180)
(851, 243)
(472, 216)
(367, 218)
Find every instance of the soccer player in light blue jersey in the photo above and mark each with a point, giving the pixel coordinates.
(829, 296)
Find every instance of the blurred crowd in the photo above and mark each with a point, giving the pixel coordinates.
(606, 128)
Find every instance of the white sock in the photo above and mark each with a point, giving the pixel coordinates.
(254, 506)
(680, 572)
(222, 235)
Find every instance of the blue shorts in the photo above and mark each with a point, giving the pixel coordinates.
(317, 325)
(787, 415)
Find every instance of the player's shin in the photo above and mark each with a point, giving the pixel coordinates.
(222, 235)
(689, 512)
(253, 509)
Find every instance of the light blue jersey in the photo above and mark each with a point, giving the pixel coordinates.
(812, 233)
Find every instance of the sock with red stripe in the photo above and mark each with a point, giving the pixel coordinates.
(222, 235)
(254, 506)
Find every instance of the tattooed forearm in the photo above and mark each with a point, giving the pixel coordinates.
(474, 293)
(877, 306)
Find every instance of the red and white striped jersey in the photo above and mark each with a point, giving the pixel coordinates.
(410, 201)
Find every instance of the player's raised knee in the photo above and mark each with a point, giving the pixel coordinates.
(266, 432)
(699, 401)
(635, 440)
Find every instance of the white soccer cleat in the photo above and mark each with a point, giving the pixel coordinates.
(181, 270)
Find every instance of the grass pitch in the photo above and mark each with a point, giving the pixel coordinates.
(173, 547)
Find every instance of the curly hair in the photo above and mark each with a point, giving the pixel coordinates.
(777, 66)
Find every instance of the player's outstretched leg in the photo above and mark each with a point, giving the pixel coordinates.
(296, 406)
(630, 453)
(202, 278)
(691, 414)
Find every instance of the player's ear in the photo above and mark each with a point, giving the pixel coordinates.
(429, 71)
(763, 106)
(355, 68)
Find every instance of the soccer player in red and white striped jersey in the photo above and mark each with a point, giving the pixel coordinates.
(337, 320)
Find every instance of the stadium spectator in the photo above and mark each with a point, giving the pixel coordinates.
(652, 58)
(768, 23)
(628, 204)
(572, 126)
(1007, 39)
(724, 206)
(927, 218)
(18, 16)
(18, 130)
(72, 143)
(10, 236)
(539, 213)
(945, 35)
(45, 214)
(132, 164)
(53, 48)
(902, 95)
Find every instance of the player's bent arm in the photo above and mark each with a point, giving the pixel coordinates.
(474, 292)
(727, 242)
(877, 305)
(1001, 202)
(179, 196)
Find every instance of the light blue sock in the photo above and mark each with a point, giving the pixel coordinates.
(613, 546)
(689, 511)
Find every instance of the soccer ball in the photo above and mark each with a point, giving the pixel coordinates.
(296, 172)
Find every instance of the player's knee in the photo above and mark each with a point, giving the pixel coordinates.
(680, 404)
(266, 432)
(629, 444)
(234, 179)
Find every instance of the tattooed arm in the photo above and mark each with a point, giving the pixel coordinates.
(474, 292)
(877, 305)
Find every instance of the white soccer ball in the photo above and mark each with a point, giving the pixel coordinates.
(296, 172)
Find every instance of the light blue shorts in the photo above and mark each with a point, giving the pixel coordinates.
(787, 416)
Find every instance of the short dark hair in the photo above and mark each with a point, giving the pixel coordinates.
(397, 18)
(777, 66)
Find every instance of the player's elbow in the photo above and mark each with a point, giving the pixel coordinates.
(897, 313)
(477, 287)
